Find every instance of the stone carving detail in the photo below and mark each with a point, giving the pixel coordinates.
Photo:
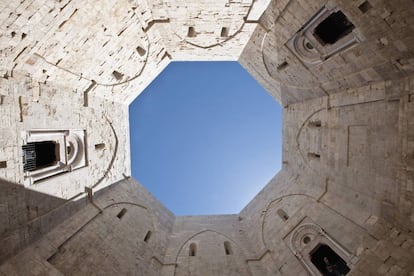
(69, 153)
(310, 49)
(307, 237)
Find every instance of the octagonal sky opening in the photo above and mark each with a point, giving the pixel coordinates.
(205, 138)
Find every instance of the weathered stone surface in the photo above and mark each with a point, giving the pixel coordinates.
(348, 138)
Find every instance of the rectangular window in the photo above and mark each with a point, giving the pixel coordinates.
(39, 155)
(121, 213)
(333, 28)
(47, 153)
(328, 262)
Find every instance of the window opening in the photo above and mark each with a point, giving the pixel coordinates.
(333, 28)
(193, 249)
(117, 75)
(314, 155)
(282, 66)
(282, 214)
(99, 146)
(227, 248)
(3, 164)
(147, 236)
(121, 213)
(224, 32)
(315, 123)
(306, 239)
(141, 51)
(38, 155)
(328, 262)
(191, 32)
(364, 7)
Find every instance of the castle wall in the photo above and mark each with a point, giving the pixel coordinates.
(30, 105)
(108, 236)
(348, 145)
(342, 147)
(383, 51)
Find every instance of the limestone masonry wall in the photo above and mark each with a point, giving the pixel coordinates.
(347, 179)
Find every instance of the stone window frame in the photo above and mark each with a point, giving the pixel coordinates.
(73, 139)
(306, 46)
(304, 238)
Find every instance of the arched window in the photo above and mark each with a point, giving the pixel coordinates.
(141, 51)
(282, 214)
(193, 249)
(227, 248)
(147, 236)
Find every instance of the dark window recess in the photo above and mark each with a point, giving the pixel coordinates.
(314, 155)
(282, 214)
(282, 66)
(39, 155)
(328, 262)
(117, 75)
(121, 213)
(3, 164)
(227, 248)
(224, 32)
(141, 51)
(193, 249)
(99, 146)
(147, 236)
(333, 28)
(315, 123)
(364, 7)
(191, 32)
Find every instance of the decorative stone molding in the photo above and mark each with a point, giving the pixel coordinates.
(312, 50)
(69, 152)
(305, 238)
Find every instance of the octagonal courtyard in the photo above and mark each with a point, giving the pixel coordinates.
(205, 138)
(341, 203)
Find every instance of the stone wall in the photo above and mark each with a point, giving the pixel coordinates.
(348, 140)
(384, 50)
(30, 105)
(109, 235)
(337, 173)
(26, 215)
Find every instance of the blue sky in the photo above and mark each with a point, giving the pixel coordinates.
(205, 138)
